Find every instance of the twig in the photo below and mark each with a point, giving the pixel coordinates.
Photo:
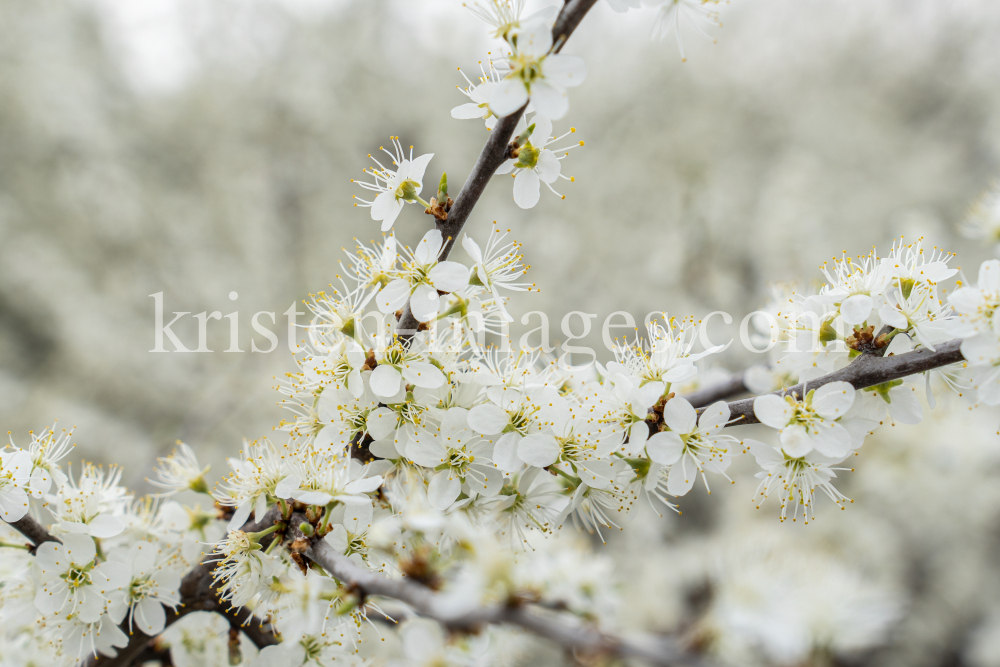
(33, 530)
(560, 628)
(864, 371)
(494, 154)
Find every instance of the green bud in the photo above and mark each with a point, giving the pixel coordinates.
(306, 528)
(522, 138)
(442, 195)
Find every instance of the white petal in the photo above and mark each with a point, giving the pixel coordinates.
(443, 489)
(833, 400)
(509, 96)
(423, 374)
(766, 455)
(526, 188)
(472, 248)
(429, 247)
(538, 449)
(358, 517)
(893, 317)
(831, 439)
(905, 407)
(989, 276)
(679, 415)
(665, 447)
(106, 525)
(384, 380)
(393, 296)
(714, 418)
(681, 477)
(548, 166)
(772, 410)
(149, 617)
(795, 440)
(564, 71)
(488, 419)
(449, 276)
(332, 439)
(467, 111)
(417, 168)
(543, 130)
(366, 485)
(385, 204)
(505, 452)
(381, 422)
(549, 100)
(856, 309)
(535, 36)
(425, 303)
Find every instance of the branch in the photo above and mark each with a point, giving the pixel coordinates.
(569, 633)
(494, 154)
(33, 530)
(196, 594)
(865, 371)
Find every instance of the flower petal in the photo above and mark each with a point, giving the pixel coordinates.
(679, 415)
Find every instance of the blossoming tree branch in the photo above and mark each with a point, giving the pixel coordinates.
(427, 483)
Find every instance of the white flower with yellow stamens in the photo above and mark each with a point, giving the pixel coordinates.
(499, 266)
(420, 278)
(535, 162)
(394, 186)
(537, 74)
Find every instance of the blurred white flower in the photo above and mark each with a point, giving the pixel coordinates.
(672, 12)
(795, 480)
(499, 267)
(91, 505)
(15, 472)
(983, 220)
(180, 472)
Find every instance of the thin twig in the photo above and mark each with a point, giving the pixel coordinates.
(566, 631)
(494, 154)
(865, 371)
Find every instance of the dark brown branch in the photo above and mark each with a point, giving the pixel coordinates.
(865, 371)
(33, 530)
(494, 154)
(196, 593)
(560, 628)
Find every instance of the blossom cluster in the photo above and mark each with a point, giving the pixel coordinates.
(445, 455)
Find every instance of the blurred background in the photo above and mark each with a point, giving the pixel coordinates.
(203, 147)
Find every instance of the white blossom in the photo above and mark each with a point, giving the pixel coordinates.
(535, 162)
(812, 422)
(395, 186)
(533, 71)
